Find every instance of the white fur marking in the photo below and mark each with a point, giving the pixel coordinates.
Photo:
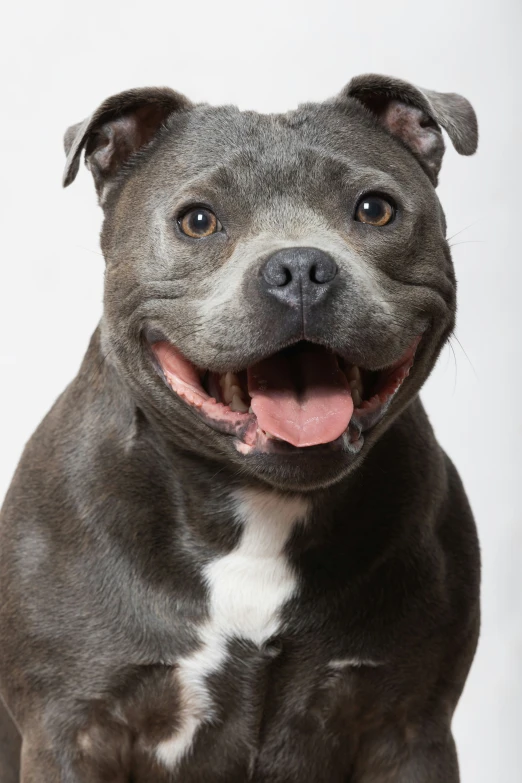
(247, 589)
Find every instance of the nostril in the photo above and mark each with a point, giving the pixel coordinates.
(277, 274)
(324, 271)
(286, 277)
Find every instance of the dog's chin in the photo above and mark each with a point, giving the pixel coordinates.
(298, 418)
(300, 470)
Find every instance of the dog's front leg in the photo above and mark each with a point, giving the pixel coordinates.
(38, 764)
(42, 763)
(10, 743)
(422, 762)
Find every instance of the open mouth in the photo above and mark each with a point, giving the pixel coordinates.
(302, 396)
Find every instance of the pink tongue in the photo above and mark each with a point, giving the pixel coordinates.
(301, 396)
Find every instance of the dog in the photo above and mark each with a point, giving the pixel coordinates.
(234, 550)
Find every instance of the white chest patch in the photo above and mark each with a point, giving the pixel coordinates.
(247, 589)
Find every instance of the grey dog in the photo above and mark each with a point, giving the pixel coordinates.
(233, 550)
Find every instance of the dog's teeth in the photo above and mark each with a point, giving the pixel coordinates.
(229, 383)
(237, 405)
(225, 382)
(354, 374)
(250, 410)
(356, 385)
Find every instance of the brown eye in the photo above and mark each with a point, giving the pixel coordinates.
(374, 210)
(199, 222)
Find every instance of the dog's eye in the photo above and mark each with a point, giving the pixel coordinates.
(199, 222)
(374, 210)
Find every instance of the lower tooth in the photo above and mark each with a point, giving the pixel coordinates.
(356, 397)
(237, 405)
(230, 387)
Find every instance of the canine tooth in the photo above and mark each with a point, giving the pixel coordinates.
(238, 405)
(356, 397)
(250, 410)
(355, 374)
(227, 382)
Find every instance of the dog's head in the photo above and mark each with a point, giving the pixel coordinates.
(278, 287)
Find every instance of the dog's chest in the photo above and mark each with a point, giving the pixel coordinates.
(247, 589)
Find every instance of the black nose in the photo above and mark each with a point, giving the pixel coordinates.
(298, 275)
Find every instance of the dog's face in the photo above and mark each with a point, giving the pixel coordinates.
(278, 287)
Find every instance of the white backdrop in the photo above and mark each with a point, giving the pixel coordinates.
(60, 59)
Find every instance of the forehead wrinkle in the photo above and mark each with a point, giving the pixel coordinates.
(301, 169)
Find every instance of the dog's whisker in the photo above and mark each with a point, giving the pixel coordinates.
(455, 365)
(453, 336)
(89, 250)
(466, 228)
(468, 242)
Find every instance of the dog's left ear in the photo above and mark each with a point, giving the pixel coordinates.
(415, 116)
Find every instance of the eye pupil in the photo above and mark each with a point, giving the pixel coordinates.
(373, 209)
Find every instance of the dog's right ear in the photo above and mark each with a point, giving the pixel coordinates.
(121, 126)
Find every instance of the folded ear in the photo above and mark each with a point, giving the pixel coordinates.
(416, 116)
(121, 126)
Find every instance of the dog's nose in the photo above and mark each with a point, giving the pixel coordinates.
(298, 275)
